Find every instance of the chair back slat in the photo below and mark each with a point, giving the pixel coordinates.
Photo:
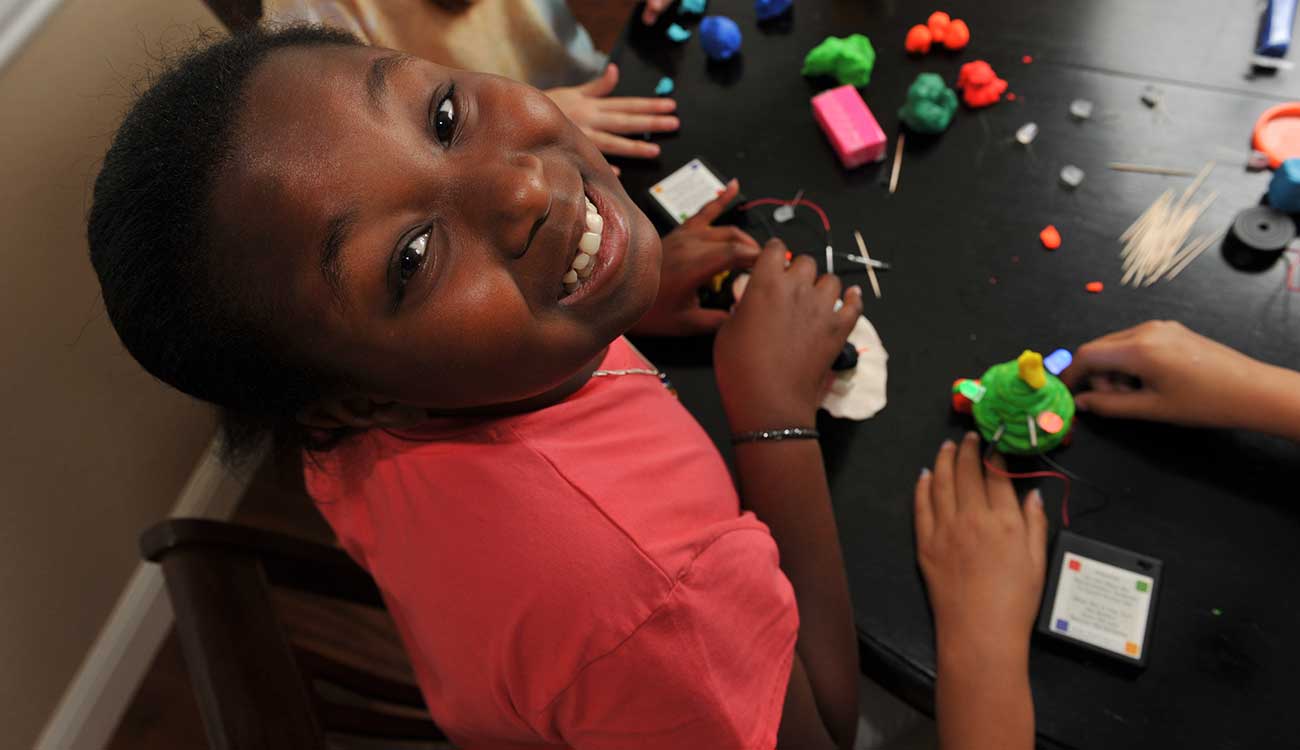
(286, 640)
(242, 669)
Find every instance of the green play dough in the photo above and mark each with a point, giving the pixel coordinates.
(849, 59)
(1008, 400)
(930, 105)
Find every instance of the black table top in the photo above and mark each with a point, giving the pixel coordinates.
(972, 286)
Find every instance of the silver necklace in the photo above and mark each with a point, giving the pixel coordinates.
(651, 371)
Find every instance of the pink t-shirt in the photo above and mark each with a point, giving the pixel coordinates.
(580, 576)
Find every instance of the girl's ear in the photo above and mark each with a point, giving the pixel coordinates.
(359, 413)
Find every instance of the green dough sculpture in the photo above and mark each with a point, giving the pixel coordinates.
(849, 59)
(930, 105)
(1010, 400)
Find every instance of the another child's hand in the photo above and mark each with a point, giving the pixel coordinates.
(1162, 371)
(606, 119)
(693, 253)
(983, 555)
(773, 356)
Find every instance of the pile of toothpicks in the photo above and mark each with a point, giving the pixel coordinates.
(1156, 247)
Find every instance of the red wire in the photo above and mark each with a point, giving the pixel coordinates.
(1065, 501)
(1293, 265)
(826, 223)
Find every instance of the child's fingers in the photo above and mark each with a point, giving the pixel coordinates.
(602, 84)
(852, 309)
(615, 145)
(944, 490)
(1098, 357)
(970, 475)
(1036, 523)
(771, 261)
(923, 509)
(998, 489)
(713, 257)
(828, 288)
(618, 122)
(1141, 404)
(730, 234)
(639, 105)
(714, 208)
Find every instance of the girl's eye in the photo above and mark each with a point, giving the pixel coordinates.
(412, 258)
(444, 120)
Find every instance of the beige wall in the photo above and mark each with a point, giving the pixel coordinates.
(92, 449)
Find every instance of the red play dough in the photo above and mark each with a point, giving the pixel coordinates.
(918, 40)
(938, 24)
(957, 35)
(979, 85)
(960, 403)
(1050, 238)
(1095, 287)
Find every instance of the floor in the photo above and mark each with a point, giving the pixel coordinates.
(164, 715)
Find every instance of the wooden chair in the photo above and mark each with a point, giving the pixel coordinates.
(272, 628)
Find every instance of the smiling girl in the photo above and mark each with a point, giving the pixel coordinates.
(434, 269)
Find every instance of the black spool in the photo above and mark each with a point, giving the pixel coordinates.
(1257, 238)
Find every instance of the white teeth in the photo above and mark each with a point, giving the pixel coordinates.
(584, 261)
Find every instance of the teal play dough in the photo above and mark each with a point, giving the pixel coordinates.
(930, 105)
(849, 59)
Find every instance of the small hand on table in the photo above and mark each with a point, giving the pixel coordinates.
(606, 119)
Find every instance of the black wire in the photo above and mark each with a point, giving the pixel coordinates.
(1105, 496)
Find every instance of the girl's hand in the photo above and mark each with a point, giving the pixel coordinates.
(603, 117)
(773, 356)
(983, 555)
(693, 253)
(1162, 371)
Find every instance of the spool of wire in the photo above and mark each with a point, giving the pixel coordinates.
(1257, 238)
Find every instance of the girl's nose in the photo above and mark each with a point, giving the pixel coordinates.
(523, 198)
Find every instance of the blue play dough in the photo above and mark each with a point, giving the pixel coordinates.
(1284, 190)
(720, 37)
(678, 34)
(664, 87)
(693, 6)
(767, 9)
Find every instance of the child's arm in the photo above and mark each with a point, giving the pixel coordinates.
(983, 556)
(1184, 378)
(772, 360)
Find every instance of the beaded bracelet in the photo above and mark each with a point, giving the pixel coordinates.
(789, 433)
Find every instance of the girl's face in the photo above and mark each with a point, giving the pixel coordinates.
(409, 226)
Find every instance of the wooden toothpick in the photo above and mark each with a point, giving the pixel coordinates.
(898, 164)
(871, 272)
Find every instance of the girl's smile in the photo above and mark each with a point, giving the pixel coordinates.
(438, 240)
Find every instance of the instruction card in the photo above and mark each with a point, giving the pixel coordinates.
(1102, 597)
(683, 193)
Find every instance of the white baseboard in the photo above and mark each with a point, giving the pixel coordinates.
(104, 685)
